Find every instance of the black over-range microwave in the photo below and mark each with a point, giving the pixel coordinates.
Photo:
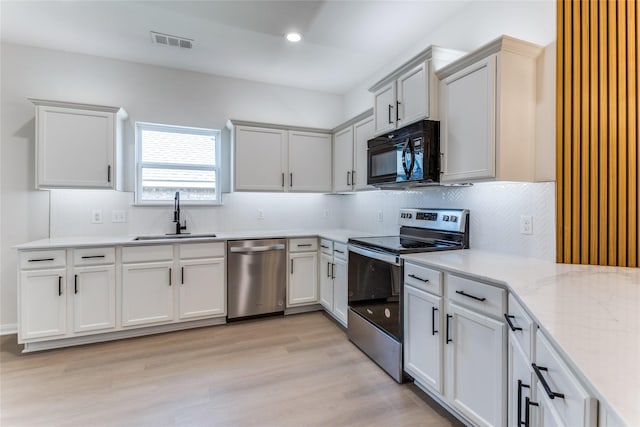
(405, 157)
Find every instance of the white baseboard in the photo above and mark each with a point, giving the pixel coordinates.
(9, 329)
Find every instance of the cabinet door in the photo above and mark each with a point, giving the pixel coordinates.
(75, 148)
(340, 290)
(520, 384)
(94, 298)
(260, 159)
(309, 161)
(326, 281)
(202, 288)
(468, 122)
(147, 293)
(362, 133)
(423, 337)
(384, 109)
(343, 160)
(476, 366)
(43, 304)
(413, 94)
(303, 279)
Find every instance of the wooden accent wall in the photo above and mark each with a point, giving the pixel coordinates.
(597, 132)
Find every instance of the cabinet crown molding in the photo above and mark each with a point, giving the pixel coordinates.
(234, 122)
(501, 44)
(121, 112)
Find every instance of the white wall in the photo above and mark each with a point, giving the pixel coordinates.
(150, 94)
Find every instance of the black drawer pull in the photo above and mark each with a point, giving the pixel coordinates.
(170, 281)
(433, 320)
(324, 247)
(333, 271)
(75, 284)
(527, 411)
(543, 381)
(339, 251)
(463, 293)
(508, 318)
(447, 334)
(328, 269)
(521, 385)
(41, 259)
(93, 256)
(182, 275)
(413, 276)
(304, 245)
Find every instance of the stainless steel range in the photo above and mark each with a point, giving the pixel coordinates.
(376, 277)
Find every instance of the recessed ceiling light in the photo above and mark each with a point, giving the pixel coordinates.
(294, 37)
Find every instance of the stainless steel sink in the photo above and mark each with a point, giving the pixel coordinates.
(176, 236)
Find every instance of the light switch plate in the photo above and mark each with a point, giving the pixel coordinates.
(118, 216)
(526, 224)
(96, 216)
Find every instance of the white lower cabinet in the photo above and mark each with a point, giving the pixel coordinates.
(423, 337)
(333, 279)
(147, 293)
(94, 298)
(42, 304)
(521, 389)
(326, 281)
(475, 365)
(202, 288)
(302, 287)
(340, 289)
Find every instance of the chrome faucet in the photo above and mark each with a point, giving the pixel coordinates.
(176, 214)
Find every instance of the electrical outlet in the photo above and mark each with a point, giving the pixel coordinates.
(96, 216)
(260, 214)
(380, 216)
(118, 216)
(526, 224)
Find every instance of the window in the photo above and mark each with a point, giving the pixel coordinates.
(175, 158)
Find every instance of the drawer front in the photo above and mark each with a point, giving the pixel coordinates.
(42, 259)
(303, 245)
(326, 246)
(340, 250)
(521, 327)
(424, 278)
(577, 407)
(94, 256)
(147, 253)
(476, 295)
(202, 250)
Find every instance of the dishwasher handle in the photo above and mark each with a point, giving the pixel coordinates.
(249, 250)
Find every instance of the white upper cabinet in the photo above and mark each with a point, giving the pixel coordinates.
(487, 112)
(277, 158)
(409, 94)
(350, 153)
(77, 145)
(343, 159)
(362, 133)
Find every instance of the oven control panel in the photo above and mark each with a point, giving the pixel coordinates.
(437, 219)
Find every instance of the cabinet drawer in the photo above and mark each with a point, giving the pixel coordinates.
(303, 245)
(340, 250)
(147, 253)
(521, 326)
(476, 295)
(326, 246)
(423, 278)
(577, 407)
(42, 259)
(94, 256)
(202, 250)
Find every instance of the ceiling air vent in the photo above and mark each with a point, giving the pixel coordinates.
(169, 40)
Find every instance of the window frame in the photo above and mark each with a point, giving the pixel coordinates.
(139, 165)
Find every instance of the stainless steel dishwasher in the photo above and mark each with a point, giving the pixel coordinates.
(256, 277)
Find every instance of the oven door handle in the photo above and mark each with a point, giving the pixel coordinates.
(381, 256)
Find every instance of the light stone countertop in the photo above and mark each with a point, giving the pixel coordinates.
(591, 313)
(340, 235)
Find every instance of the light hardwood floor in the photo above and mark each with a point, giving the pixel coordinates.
(297, 370)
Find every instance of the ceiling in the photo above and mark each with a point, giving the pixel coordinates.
(344, 42)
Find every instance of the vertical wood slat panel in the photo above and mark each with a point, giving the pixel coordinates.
(598, 153)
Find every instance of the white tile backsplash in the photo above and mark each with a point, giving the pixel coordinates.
(495, 213)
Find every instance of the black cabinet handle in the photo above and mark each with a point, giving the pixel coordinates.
(283, 179)
(508, 318)
(521, 385)
(328, 269)
(108, 173)
(348, 177)
(182, 275)
(75, 284)
(527, 411)
(339, 251)
(390, 107)
(463, 293)
(291, 179)
(433, 320)
(40, 259)
(59, 285)
(170, 276)
(92, 256)
(292, 266)
(305, 245)
(398, 110)
(413, 276)
(448, 340)
(333, 271)
(552, 394)
(324, 247)
(353, 177)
